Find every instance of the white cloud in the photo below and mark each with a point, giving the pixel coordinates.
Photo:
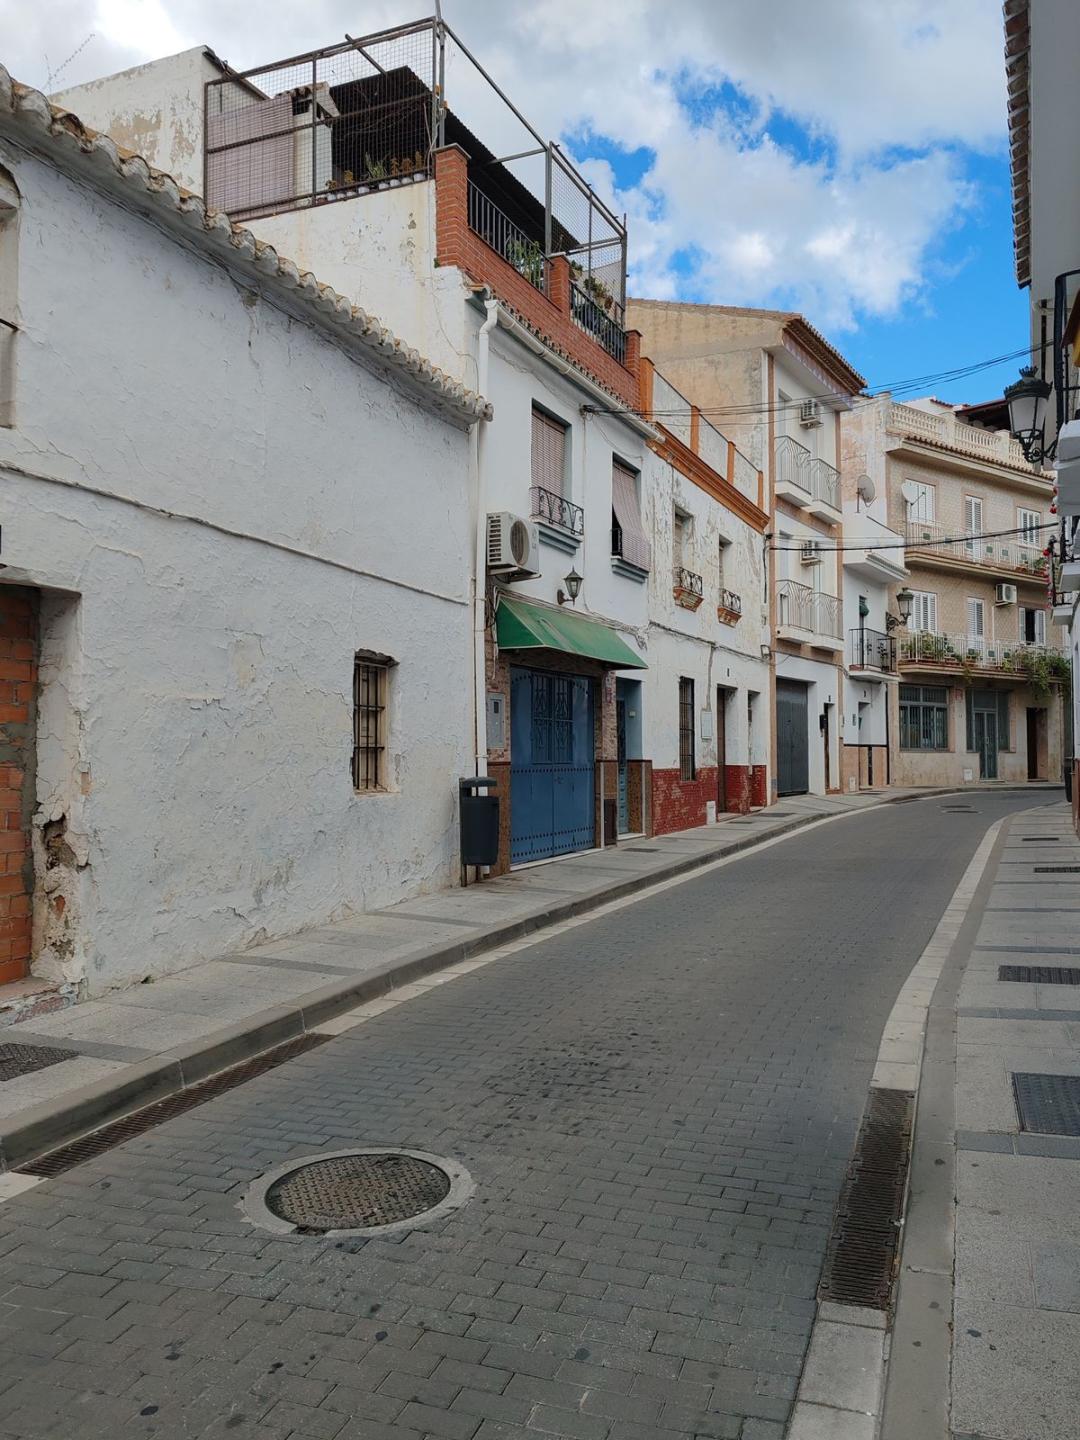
(843, 236)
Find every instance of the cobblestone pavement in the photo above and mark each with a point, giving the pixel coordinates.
(656, 1107)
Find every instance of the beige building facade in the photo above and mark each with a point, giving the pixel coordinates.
(981, 671)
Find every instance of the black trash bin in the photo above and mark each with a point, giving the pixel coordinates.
(479, 821)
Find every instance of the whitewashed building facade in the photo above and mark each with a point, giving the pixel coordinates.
(253, 651)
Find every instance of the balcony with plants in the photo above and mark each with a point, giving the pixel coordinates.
(872, 653)
(1008, 556)
(969, 655)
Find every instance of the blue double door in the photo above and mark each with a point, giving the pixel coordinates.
(552, 806)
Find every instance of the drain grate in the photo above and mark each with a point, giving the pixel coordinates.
(1048, 1104)
(56, 1162)
(1040, 840)
(1057, 869)
(959, 809)
(16, 1060)
(861, 1256)
(1039, 974)
(351, 1192)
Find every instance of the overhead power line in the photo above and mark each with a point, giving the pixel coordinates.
(834, 549)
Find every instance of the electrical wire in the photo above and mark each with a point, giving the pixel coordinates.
(914, 545)
(753, 410)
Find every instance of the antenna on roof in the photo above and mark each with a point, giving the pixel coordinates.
(53, 75)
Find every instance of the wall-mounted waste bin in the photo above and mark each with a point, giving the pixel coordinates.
(479, 821)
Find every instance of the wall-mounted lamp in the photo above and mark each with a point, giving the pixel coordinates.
(905, 598)
(1026, 399)
(573, 588)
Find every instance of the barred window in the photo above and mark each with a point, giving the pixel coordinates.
(924, 717)
(687, 767)
(371, 675)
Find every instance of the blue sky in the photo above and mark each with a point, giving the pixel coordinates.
(846, 158)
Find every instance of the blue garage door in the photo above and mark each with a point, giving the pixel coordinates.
(551, 765)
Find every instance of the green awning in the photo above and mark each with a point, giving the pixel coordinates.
(521, 626)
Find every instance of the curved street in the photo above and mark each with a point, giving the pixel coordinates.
(656, 1106)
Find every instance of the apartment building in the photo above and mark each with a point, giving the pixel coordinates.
(1042, 43)
(361, 160)
(777, 388)
(235, 706)
(981, 674)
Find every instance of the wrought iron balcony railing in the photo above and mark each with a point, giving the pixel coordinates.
(814, 611)
(730, 600)
(793, 463)
(507, 239)
(686, 580)
(825, 483)
(928, 647)
(871, 650)
(557, 510)
(596, 314)
(1004, 554)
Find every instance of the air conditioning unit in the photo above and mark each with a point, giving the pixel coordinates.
(810, 554)
(513, 546)
(1005, 595)
(810, 414)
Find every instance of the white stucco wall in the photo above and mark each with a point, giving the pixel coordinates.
(155, 110)
(694, 643)
(197, 706)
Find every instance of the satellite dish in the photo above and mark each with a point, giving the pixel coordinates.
(910, 491)
(865, 489)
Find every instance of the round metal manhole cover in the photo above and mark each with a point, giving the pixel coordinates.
(358, 1192)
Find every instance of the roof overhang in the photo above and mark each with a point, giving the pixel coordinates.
(1018, 84)
(525, 625)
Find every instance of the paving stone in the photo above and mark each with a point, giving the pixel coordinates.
(657, 1108)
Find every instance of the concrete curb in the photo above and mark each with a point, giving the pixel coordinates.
(842, 1391)
(55, 1122)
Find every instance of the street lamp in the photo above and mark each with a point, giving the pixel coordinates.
(1026, 399)
(905, 598)
(573, 588)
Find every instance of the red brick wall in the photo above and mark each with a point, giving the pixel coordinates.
(759, 792)
(680, 804)
(18, 720)
(737, 788)
(456, 244)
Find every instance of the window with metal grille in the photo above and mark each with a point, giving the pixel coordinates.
(370, 684)
(687, 767)
(548, 453)
(924, 717)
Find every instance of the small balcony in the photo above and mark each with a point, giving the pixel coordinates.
(562, 523)
(969, 655)
(1006, 555)
(595, 310)
(825, 492)
(808, 617)
(729, 607)
(871, 653)
(688, 588)
(793, 478)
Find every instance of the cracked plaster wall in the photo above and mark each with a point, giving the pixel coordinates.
(197, 705)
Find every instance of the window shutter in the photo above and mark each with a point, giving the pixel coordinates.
(548, 453)
(1040, 627)
(1003, 720)
(624, 503)
(976, 619)
(969, 716)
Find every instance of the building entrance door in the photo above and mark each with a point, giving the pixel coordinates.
(552, 755)
(624, 787)
(792, 739)
(721, 750)
(986, 743)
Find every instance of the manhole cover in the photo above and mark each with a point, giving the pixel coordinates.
(1048, 1104)
(374, 1191)
(16, 1060)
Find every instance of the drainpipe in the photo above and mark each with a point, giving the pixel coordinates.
(480, 545)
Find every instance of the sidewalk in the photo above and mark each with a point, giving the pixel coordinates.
(992, 1230)
(151, 1040)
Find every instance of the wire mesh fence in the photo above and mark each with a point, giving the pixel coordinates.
(322, 126)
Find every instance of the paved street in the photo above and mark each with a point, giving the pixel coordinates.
(656, 1107)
